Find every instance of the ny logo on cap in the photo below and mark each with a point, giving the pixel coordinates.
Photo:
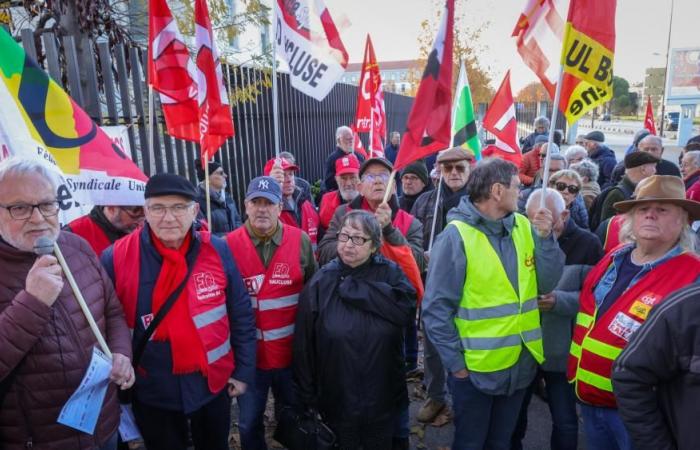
(263, 184)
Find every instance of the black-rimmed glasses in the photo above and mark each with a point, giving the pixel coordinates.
(23, 211)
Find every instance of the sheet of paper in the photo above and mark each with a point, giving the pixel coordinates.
(83, 407)
(127, 425)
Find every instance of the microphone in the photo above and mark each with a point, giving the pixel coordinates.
(43, 246)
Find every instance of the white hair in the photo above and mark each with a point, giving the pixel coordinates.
(694, 157)
(574, 151)
(649, 138)
(19, 166)
(341, 130)
(586, 168)
(687, 239)
(552, 198)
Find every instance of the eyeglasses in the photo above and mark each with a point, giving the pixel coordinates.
(24, 211)
(543, 155)
(177, 210)
(383, 177)
(135, 212)
(458, 167)
(357, 240)
(561, 187)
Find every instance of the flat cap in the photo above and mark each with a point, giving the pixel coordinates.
(381, 161)
(636, 159)
(595, 136)
(169, 184)
(454, 154)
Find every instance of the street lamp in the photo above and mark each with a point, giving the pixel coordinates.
(663, 88)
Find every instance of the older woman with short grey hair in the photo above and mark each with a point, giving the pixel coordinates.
(590, 189)
(348, 347)
(575, 154)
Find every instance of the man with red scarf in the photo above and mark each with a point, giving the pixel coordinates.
(275, 260)
(205, 342)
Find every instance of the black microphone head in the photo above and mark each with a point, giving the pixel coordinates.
(43, 246)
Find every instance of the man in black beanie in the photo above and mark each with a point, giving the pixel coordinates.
(414, 182)
(638, 166)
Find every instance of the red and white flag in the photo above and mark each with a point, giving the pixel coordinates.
(649, 118)
(309, 41)
(500, 121)
(172, 73)
(215, 121)
(429, 127)
(357, 144)
(370, 116)
(539, 33)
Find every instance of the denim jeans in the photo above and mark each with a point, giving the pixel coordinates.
(562, 406)
(252, 405)
(604, 429)
(401, 426)
(482, 420)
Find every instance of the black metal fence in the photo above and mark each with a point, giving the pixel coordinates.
(112, 89)
(525, 114)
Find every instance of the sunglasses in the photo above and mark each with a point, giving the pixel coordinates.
(561, 187)
(459, 167)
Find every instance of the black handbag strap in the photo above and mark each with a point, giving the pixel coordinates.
(163, 311)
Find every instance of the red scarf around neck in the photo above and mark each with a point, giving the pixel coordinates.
(177, 326)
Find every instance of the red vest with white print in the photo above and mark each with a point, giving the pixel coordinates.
(309, 221)
(206, 299)
(274, 292)
(612, 234)
(89, 230)
(598, 341)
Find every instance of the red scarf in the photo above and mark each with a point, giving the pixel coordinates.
(177, 326)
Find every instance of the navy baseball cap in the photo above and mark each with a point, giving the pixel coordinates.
(265, 187)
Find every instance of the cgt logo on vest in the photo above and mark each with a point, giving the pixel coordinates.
(280, 275)
(205, 286)
(530, 262)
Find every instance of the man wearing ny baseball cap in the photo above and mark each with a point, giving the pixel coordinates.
(297, 210)
(275, 261)
(347, 169)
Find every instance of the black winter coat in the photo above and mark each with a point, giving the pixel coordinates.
(224, 214)
(348, 342)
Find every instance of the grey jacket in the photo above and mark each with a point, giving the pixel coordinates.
(557, 323)
(445, 284)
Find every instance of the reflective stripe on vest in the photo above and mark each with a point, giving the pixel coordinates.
(493, 320)
(274, 334)
(598, 341)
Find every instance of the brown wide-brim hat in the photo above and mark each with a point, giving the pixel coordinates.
(662, 189)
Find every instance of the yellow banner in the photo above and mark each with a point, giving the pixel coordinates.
(583, 98)
(586, 59)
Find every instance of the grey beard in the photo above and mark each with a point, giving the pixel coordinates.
(349, 195)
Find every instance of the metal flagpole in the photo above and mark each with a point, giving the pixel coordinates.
(151, 129)
(205, 163)
(552, 125)
(437, 203)
(275, 106)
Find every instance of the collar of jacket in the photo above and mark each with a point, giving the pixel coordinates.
(98, 215)
(276, 237)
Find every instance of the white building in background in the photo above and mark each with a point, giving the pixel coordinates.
(397, 76)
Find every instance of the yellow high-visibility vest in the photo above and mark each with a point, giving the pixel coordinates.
(493, 320)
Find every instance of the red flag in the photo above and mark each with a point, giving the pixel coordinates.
(370, 115)
(357, 144)
(649, 118)
(215, 121)
(429, 127)
(500, 121)
(171, 72)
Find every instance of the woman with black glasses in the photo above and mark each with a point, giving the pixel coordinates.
(569, 183)
(348, 345)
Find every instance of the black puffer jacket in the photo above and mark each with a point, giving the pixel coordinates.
(348, 342)
(224, 214)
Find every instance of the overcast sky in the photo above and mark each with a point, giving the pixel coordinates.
(642, 30)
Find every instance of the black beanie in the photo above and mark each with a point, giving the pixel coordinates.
(213, 165)
(418, 169)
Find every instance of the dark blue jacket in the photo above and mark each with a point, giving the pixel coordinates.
(329, 183)
(605, 158)
(390, 152)
(189, 392)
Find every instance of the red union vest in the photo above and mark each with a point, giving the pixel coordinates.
(612, 234)
(206, 297)
(598, 341)
(402, 220)
(329, 203)
(89, 230)
(274, 292)
(309, 221)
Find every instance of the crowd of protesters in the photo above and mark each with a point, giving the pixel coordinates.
(516, 287)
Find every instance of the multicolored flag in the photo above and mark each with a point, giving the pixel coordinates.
(172, 73)
(215, 121)
(40, 121)
(500, 121)
(649, 118)
(464, 131)
(309, 41)
(370, 116)
(429, 128)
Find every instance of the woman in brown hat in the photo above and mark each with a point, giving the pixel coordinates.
(620, 291)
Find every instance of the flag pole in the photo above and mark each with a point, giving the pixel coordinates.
(151, 113)
(205, 163)
(275, 106)
(552, 125)
(435, 210)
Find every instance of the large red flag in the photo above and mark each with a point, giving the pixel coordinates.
(171, 72)
(370, 115)
(215, 121)
(429, 127)
(500, 121)
(649, 118)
